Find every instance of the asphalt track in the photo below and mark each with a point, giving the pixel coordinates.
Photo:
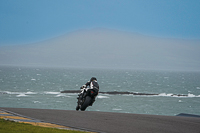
(105, 122)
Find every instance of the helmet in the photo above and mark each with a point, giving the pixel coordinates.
(93, 78)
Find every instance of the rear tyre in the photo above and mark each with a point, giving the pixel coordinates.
(77, 107)
(88, 100)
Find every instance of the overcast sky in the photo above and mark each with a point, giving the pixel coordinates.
(27, 21)
(122, 34)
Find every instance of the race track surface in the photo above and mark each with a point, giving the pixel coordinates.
(105, 122)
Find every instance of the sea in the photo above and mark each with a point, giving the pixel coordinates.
(34, 87)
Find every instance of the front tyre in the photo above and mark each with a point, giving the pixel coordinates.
(88, 100)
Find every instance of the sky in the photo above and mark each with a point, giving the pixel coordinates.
(125, 34)
(29, 21)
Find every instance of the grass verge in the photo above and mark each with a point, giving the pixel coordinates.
(7, 126)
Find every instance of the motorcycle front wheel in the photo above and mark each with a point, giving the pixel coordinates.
(88, 100)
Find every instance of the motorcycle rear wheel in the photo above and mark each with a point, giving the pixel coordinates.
(88, 100)
(77, 107)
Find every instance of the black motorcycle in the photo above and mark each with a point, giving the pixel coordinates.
(85, 98)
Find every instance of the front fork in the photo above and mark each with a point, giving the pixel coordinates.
(80, 98)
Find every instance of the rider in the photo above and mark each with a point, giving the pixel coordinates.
(94, 88)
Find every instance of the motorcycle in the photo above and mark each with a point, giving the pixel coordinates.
(85, 98)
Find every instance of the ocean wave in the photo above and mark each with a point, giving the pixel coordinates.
(18, 93)
(28, 92)
(116, 109)
(22, 95)
(178, 95)
(62, 95)
(36, 102)
(102, 97)
(51, 92)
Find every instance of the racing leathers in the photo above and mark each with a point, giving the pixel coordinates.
(93, 89)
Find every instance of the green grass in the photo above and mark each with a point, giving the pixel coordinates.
(15, 127)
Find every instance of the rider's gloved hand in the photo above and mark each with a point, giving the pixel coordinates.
(84, 86)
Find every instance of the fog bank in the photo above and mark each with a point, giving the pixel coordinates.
(102, 48)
